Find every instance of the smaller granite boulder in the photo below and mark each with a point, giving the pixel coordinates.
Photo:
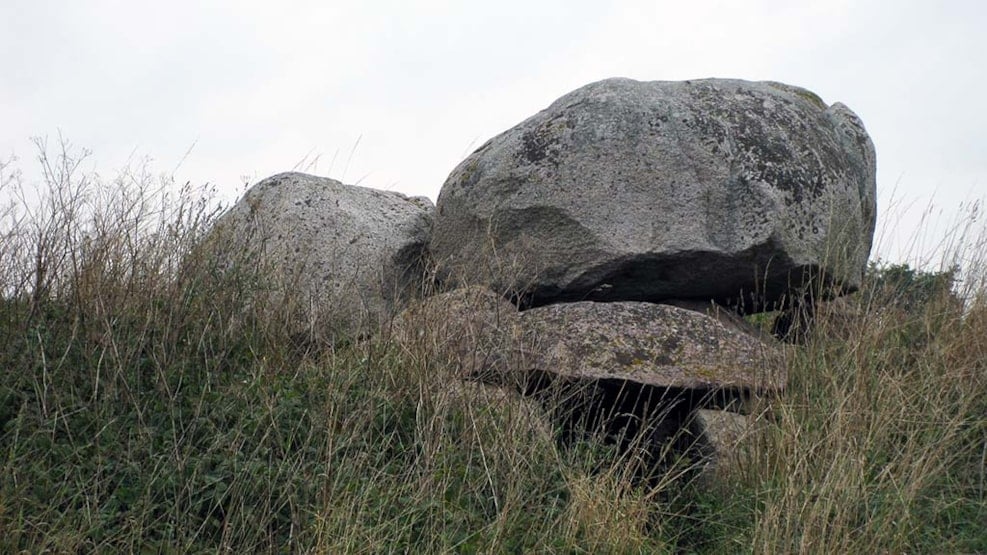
(720, 441)
(348, 256)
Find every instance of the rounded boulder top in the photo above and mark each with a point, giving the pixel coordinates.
(733, 191)
(351, 254)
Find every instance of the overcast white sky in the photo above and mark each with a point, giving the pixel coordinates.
(260, 87)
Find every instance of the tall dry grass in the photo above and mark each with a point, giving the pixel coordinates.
(146, 403)
(880, 443)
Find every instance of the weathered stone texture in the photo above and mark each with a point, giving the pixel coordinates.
(723, 190)
(649, 344)
(349, 255)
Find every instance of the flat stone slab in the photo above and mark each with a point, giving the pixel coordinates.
(649, 344)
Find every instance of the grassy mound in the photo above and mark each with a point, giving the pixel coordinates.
(147, 404)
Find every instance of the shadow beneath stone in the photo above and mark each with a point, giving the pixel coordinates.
(649, 426)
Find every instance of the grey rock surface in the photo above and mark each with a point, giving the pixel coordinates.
(713, 189)
(722, 440)
(351, 255)
(523, 416)
(725, 316)
(471, 330)
(649, 344)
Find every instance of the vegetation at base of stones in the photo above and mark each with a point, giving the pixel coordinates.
(909, 289)
(896, 290)
(144, 406)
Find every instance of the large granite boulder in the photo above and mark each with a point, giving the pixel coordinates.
(726, 190)
(348, 256)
